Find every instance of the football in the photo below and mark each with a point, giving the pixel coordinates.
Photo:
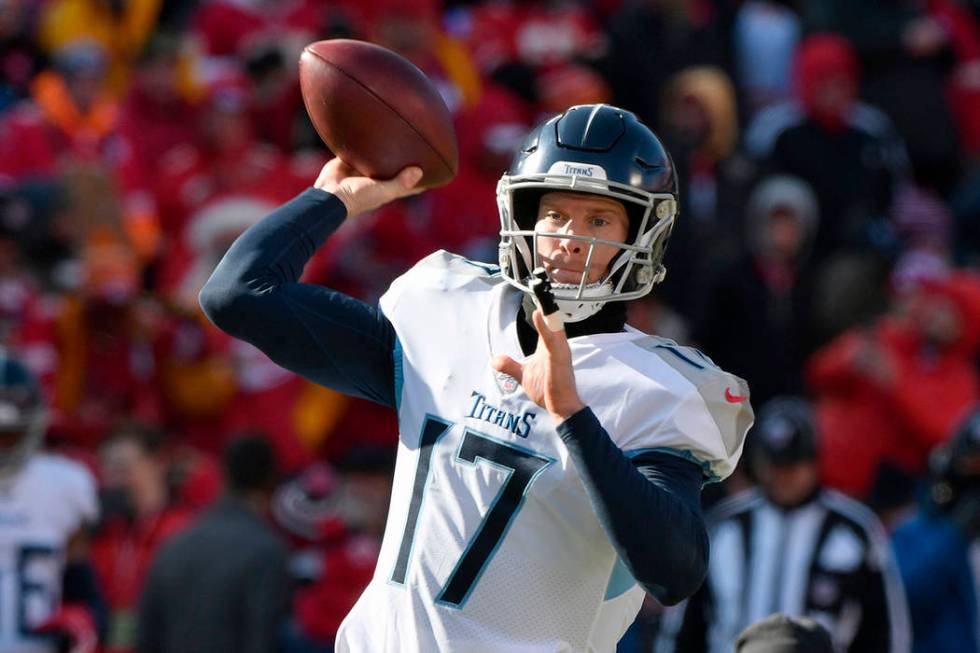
(376, 111)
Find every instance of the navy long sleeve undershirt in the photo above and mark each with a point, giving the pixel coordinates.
(650, 505)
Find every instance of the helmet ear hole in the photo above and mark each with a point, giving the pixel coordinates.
(526, 204)
(635, 214)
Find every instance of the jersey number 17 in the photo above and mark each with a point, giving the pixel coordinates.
(522, 468)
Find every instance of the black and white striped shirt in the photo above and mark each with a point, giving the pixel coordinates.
(828, 559)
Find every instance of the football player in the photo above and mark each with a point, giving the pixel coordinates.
(547, 475)
(48, 597)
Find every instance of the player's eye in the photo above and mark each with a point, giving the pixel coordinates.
(599, 221)
(554, 216)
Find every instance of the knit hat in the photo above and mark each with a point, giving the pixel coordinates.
(784, 432)
(784, 192)
(921, 217)
(820, 57)
(781, 634)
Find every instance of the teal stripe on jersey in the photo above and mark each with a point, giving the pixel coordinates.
(398, 355)
(620, 580)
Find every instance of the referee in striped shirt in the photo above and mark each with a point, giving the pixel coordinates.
(793, 547)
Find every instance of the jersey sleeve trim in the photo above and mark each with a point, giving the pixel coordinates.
(398, 357)
(709, 475)
(621, 580)
(490, 269)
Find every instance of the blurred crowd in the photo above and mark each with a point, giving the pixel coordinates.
(829, 158)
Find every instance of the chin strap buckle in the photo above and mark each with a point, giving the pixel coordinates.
(545, 299)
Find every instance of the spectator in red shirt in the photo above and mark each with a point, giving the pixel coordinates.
(888, 393)
(464, 213)
(537, 34)
(157, 114)
(360, 504)
(224, 161)
(70, 112)
(20, 55)
(26, 313)
(72, 122)
(104, 343)
(226, 27)
(137, 518)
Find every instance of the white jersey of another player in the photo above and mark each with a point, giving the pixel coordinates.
(42, 505)
(492, 543)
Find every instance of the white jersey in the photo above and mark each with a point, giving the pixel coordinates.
(492, 543)
(41, 506)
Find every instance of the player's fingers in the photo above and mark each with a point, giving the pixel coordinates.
(547, 338)
(344, 168)
(401, 185)
(508, 366)
(332, 173)
(409, 177)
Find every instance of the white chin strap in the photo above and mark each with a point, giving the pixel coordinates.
(576, 310)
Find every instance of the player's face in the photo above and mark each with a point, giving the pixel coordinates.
(578, 214)
(787, 484)
(126, 465)
(785, 234)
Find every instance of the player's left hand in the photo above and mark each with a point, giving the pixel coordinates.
(547, 376)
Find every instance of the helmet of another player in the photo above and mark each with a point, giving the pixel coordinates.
(955, 465)
(600, 150)
(23, 414)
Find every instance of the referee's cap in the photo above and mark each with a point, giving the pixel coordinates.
(784, 431)
(779, 633)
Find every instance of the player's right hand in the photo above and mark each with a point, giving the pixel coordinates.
(547, 377)
(361, 194)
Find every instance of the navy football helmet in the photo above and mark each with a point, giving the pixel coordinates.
(597, 149)
(23, 414)
(955, 465)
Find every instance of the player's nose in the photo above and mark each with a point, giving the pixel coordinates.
(570, 245)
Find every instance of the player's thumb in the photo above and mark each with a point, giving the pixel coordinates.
(508, 366)
(407, 178)
(401, 185)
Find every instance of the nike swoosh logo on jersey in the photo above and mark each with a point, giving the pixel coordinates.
(734, 399)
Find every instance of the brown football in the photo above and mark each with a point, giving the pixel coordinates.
(377, 111)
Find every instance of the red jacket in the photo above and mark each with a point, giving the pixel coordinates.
(884, 395)
(348, 568)
(121, 556)
(226, 28)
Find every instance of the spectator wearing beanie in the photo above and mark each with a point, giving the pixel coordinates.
(700, 128)
(763, 297)
(846, 150)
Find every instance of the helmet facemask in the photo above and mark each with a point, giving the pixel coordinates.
(631, 273)
(20, 437)
(23, 416)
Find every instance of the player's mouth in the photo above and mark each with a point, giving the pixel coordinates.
(563, 274)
